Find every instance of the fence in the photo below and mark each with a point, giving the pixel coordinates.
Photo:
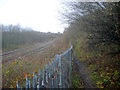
(55, 75)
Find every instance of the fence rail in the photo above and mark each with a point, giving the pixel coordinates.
(55, 75)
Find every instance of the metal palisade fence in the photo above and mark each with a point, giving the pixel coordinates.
(55, 75)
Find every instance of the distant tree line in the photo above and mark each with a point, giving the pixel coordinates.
(100, 20)
(14, 36)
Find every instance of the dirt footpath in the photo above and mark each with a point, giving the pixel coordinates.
(83, 73)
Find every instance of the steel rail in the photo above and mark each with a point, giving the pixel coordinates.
(24, 52)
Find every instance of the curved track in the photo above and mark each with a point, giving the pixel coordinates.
(28, 51)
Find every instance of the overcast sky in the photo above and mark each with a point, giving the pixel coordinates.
(41, 15)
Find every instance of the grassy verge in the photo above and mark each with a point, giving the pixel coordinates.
(102, 64)
(13, 47)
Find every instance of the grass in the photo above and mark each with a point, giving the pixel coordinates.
(16, 71)
(14, 47)
(76, 79)
(103, 66)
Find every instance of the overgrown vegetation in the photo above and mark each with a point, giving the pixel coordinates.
(94, 29)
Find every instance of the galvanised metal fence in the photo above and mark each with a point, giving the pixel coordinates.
(55, 75)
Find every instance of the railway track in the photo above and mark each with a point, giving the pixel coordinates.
(24, 52)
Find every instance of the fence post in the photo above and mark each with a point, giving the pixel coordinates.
(56, 65)
(40, 79)
(52, 81)
(18, 87)
(27, 84)
(63, 75)
(33, 81)
(56, 81)
(52, 67)
(70, 64)
(63, 81)
(43, 75)
(57, 61)
(49, 76)
(60, 83)
(47, 73)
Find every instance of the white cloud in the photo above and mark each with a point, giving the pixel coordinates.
(39, 14)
